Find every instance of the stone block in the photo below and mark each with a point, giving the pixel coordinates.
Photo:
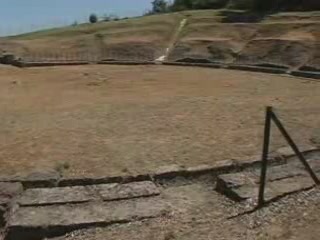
(81, 194)
(111, 192)
(81, 181)
(8, 191)
(257, 69)
(169, 171)
(29, 223)
(305, 74)
(287, 151)
(224, 165)
(62, 195)
(273, 190)
(40, 179)
(235, 180)
(280, 172)
(288, 186)
(200, 169)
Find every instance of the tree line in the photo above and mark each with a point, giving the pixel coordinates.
(163, 6)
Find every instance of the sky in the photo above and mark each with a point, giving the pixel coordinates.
(17, 16)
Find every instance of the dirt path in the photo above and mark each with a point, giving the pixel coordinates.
(173, 41)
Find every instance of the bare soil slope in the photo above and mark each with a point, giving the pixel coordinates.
(286, 39)
(144, 36)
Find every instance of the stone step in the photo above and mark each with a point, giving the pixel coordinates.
(32, 223)
(281, 180)
(273, 190)
(111, 192)
(8, 192)
(81, 194)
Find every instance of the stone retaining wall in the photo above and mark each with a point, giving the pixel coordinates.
(52, 198)
(252, 68)
(315, 75)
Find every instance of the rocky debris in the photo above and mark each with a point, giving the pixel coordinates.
(32, 223)
(82, 194)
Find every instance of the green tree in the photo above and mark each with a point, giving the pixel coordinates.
(179, 5)
(93, 18)
(159, 6)
(209, 4)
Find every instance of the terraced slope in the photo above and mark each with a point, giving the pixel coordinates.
(144, 37)
(291, 40)
(286, 39)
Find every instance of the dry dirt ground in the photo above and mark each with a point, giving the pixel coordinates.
(110, 120)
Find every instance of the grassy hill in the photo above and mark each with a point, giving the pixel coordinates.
(146, 36)
(291, 39)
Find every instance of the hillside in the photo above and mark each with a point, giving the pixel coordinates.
(146, 37)
(288, 39)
